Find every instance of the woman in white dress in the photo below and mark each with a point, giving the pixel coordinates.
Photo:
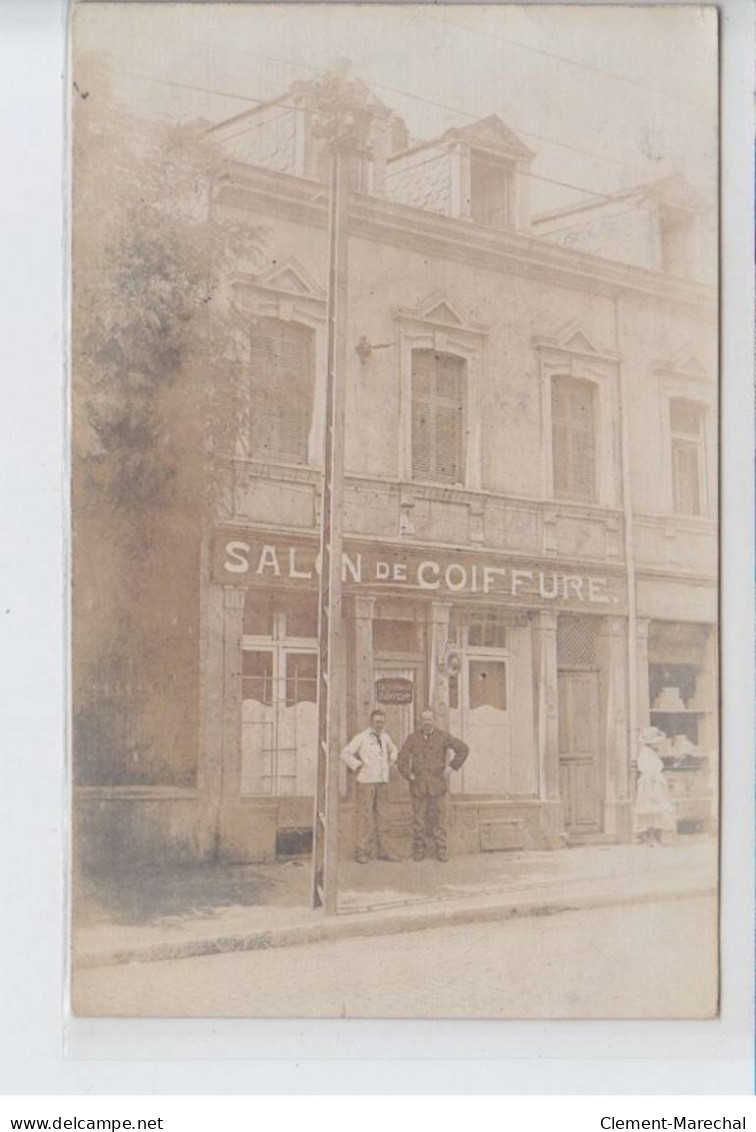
(654, 812)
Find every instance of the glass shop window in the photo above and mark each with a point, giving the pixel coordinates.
(302, 617)
(487, 684)
(487, 629)
(301, 678)
(257, 676)
(258, 615)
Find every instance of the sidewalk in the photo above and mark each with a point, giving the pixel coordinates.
(159, 913)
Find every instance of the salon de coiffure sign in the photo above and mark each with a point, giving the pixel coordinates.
(245, 558)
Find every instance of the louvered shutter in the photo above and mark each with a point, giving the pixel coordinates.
(686, 422)
(573, 438)
(438, 395)
(282, 390)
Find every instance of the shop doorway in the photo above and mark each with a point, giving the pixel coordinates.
(279, 713)
(394, 685)
(579, 751)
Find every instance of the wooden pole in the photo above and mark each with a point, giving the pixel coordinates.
(331, 690)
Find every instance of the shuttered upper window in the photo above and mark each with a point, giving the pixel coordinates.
(438, 417)
(490, 192)
(573, 438)
(282, 379)
(687, 429)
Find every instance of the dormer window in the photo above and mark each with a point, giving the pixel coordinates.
(490, 191)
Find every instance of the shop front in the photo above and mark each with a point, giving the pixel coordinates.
(526, 661)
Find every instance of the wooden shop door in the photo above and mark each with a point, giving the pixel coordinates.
(579, 751)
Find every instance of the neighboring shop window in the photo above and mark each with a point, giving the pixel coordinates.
(573, 426)
(301, 678)
(438, 417)
(681, 687)
(257, 676)
(488, 684)
(490, 191)
(282, 380)
(576, 642)
(686, 420)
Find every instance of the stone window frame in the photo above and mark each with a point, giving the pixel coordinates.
(440, 326)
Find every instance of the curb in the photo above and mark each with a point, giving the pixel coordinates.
(359, 925)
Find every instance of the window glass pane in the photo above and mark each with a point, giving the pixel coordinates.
(302, 617)
(257, 676)
(488, 684)
(301, 678)
(488, 630)
(258, 616)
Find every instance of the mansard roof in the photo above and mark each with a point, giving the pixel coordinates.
(673, 191)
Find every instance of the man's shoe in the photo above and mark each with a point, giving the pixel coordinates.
(442, 855)
(388, 857)
(361, 859)
(418, 855)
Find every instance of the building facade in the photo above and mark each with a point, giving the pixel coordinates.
(530, 507)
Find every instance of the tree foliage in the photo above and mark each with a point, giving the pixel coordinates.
(153, 383)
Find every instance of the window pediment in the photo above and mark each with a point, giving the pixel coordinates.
(573, 338)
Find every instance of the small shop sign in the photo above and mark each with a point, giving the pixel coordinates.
(394, 690)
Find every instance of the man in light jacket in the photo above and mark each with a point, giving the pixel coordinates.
(370, 755)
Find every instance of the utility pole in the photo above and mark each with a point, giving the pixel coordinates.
(342, 120)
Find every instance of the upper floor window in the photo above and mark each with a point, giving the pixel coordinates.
(573, 412)
(686, 419)
(490, 191)
(282, 380)
(438, 417)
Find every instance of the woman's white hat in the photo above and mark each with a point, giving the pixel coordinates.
(651, 735)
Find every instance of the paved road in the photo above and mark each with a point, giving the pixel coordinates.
(646, 960)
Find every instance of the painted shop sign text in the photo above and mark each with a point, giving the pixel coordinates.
(241, 558)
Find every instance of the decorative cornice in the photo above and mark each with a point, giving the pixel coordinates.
(457, 240)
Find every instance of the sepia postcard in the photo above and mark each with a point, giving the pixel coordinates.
(394, 459)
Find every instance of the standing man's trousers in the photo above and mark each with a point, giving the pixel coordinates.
(430, 822)
(372, 818)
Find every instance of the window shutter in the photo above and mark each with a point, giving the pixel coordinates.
(438, 433)
(282, 390)
(573, 438)
(686, 424)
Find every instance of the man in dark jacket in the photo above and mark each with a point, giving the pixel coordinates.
(423, 762)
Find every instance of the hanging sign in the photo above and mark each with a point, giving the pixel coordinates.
(394, 690)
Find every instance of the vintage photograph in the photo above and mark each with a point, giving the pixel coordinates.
(394, 474)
